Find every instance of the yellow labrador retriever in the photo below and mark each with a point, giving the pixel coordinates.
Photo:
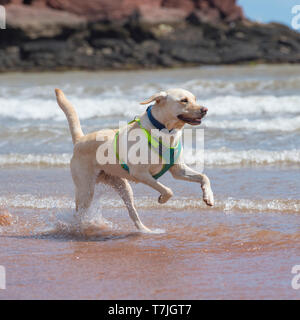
(171, 110)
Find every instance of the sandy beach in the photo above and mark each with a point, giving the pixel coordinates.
(242, 248)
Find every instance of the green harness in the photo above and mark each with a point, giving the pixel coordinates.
(169, 154)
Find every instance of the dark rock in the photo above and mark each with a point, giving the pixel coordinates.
(102, 35)
(198, 17)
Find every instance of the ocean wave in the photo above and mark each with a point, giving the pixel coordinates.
(218, 157)
(243, 87)
(202, 85)
(227, 157)
(228, 205)
(42, 109)
(259, 125)
(252, 105)
(48, 160)
(100, 107)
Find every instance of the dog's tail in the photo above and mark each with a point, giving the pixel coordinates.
(68, 109)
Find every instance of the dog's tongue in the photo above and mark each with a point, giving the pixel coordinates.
(197, 120)
(191, 120)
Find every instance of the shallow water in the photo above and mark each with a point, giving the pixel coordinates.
(244, 247)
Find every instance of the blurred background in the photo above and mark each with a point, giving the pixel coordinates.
(131, 34)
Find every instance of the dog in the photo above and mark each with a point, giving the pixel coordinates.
(172, 109)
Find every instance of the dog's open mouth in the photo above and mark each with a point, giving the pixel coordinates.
(192, 121)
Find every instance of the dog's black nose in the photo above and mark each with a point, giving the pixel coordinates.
(204, 110)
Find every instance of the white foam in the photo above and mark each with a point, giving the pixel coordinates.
(34, 202)
(219, 84)
(53, 160)
(43, 109)
(223, 157)
(252, 105)
(242, 87)
(217, 157)
(260, 125)
(176, 204)
(97, 107)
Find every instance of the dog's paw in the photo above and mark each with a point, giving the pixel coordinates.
(163, 198)
(142, 228)
(145, 230)
(208, 197)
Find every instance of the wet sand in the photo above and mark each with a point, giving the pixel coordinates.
(228, 252)
(243, 248)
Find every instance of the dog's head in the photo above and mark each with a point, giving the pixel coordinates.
(177, 107)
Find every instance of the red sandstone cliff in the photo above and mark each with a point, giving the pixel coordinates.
(127, 34)
(149, 10)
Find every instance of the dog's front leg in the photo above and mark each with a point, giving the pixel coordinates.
(145, 177)
(123, 188)
(183, 172)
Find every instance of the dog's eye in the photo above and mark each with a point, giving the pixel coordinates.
(185, 100)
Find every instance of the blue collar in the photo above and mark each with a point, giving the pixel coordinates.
(158, 125)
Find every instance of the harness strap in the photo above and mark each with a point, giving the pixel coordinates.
(123, 164)
(156, 144)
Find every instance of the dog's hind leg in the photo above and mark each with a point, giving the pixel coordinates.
(124, 189)
(84, 181)
(83, 196)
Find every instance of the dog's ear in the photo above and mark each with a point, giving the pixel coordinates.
(157, 97)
